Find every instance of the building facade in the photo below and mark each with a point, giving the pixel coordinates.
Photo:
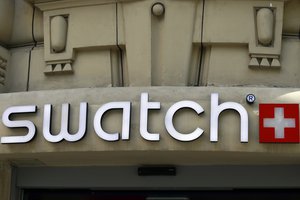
(93, 90)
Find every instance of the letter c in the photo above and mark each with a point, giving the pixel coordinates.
(169, 121)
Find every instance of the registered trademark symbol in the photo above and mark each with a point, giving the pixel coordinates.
(250, 98)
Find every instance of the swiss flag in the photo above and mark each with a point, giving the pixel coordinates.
(279, 123)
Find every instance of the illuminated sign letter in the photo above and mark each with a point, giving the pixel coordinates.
(145, 106)
(18, 124)
(64, 131)
(169, 121)
(125, 106)
(216, 111)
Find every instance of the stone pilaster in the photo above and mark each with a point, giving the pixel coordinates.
(5, 180)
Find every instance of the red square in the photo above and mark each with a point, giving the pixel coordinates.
(279, 123)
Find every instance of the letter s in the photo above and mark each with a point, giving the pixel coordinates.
(18, 124)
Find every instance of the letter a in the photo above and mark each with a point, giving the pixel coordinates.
(125, 106)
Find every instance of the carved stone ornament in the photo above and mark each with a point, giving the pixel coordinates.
(265, 45)
(265, 26)
(59, 27)
(57, 55)
(3, 64)
(158, 9)
(264, 61)
(58, 68)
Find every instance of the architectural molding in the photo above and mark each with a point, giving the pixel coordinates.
(4, 57)
(265, 43)
(47, 5)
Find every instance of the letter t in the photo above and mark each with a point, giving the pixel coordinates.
(145, 106)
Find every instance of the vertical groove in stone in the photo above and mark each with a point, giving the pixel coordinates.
(115, 68)
(157, 26)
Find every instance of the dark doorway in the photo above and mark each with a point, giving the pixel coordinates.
(234, 194)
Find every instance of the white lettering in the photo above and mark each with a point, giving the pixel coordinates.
(169, 121)
(216, 111)
(64, 132)
(125, 106)
(18, 124)
(145, 106)
(278, 122)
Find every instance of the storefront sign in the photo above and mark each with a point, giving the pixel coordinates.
(278, 122)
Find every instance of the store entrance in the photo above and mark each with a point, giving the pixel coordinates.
(126, 183)
(233, 194)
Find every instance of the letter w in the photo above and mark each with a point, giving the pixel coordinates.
(64, 132)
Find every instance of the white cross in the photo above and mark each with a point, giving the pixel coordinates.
(279, 123)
